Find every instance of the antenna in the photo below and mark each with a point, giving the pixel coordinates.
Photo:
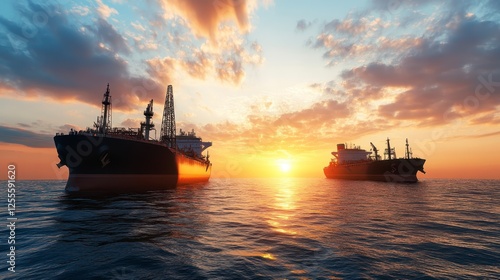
(168, 120)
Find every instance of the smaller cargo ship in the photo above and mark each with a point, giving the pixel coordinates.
(354, 163)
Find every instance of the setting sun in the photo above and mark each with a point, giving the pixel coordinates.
(284, 165)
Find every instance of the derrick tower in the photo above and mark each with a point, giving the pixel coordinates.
(168, 120)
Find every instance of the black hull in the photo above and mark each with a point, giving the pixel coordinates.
(106, 163)
(394, 170)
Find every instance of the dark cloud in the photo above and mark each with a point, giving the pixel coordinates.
(493, 6)
(375, 35)
(351, 37)
(64, 61)
(302, 25)
(449, 71)
(105, 32)
(442, 77)
(25, 137)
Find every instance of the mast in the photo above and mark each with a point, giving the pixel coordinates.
(375, 150)
(105, 120)
(408, 154)
(148, 125)
(388, 148)
(168, 120)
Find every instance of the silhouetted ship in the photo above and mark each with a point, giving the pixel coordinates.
(106, 158)
(356, 164)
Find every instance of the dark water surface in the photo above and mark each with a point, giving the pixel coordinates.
(259, 229)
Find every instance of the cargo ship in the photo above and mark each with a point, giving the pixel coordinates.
(106, 158)
(354, 163)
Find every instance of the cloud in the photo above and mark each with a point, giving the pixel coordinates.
(106, 33)
(104, 10)
(442, 77)
(66, 62)
(131, 123)
(216, 47)
(138, 26)
(302, 25)
(80, 10)
(199, 65)
(351, 37)
(204, 17)
(308, 129)
(320, 113)
(484, 135)
(25, 137)
(445, 68)
(471, 136)
(160, 69)
(262, 138)
(226, 62)
(355, 26)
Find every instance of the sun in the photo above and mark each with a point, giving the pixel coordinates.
(284, 165)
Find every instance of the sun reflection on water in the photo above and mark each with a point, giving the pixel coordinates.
(284, 207)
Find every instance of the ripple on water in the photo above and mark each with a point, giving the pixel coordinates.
(262, 228)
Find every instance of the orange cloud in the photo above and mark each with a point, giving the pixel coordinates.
(204, 17)
(308, 129)
(104, 10)
(160, 69)
(226, 62)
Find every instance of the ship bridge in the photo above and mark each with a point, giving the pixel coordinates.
(353, 154)
(188, 141)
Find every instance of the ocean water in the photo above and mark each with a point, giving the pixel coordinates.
(259, 229)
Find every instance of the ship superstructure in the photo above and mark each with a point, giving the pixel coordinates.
(115, 158)
(354, 163)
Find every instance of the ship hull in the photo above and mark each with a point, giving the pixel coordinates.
(106, 163)
(393, 170)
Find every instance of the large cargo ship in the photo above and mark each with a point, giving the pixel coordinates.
(354, 163)
(106, 158)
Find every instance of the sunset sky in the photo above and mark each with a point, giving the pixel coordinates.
(275, 85)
